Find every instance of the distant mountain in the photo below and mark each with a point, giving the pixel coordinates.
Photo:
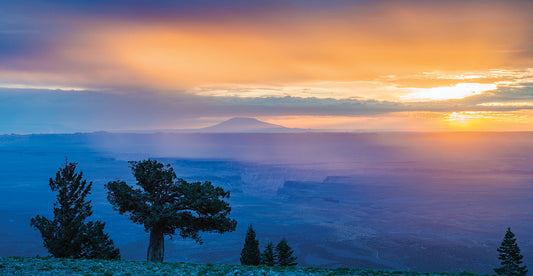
(246, 125)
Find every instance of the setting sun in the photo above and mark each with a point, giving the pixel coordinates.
(465, 119)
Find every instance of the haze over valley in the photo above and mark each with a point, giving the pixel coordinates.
(410, 201)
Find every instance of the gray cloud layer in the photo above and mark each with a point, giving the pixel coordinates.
(30, 110)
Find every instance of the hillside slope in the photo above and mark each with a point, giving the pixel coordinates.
(55, 266)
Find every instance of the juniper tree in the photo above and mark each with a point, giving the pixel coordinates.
(167, 206)
(510, 257)
(250, 254)
(284, 254)
(68, 235)
(267, 258)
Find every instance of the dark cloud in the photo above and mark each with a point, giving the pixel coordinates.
(25, 36)
(273, 106)
(20, 50)
(163, 9)
(14, 44)
(165, 5)
(523, 93)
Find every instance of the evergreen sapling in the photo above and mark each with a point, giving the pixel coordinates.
(510, 257)
(284, 254)
(268, 258)
(250, 254)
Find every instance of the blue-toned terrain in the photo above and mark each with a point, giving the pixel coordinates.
(422, 202)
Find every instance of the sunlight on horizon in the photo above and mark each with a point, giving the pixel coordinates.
(490, 120)
(413, 121)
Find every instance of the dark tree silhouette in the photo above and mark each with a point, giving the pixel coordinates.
(284, 254)
(250, 254)
(267, 257)
(168, 206)
(510, 257)
(68, 235)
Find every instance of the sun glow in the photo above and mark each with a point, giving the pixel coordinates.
(490, 120)
(465, 118)
(459, 91)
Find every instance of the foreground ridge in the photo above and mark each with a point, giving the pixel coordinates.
(58, 266)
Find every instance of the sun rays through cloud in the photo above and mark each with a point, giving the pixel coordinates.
(459, 91)
(348, 61)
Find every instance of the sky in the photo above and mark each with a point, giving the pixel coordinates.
(80, 66)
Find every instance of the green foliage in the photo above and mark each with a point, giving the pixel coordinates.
(45, 267)
(510, 257)
(284, 254)
(250, 254)
(32, 266)
(97, 244)
(68, 235)
(95, 268)
(267, 257)
(165, 205)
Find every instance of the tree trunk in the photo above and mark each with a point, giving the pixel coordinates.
(156, 248)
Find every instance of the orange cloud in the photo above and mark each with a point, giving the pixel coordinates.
(376, 50)
(347, 44)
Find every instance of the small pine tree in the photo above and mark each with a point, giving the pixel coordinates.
(250, 254)
(510, 257)
(68, 235)
(284, 254)
(268, 255)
